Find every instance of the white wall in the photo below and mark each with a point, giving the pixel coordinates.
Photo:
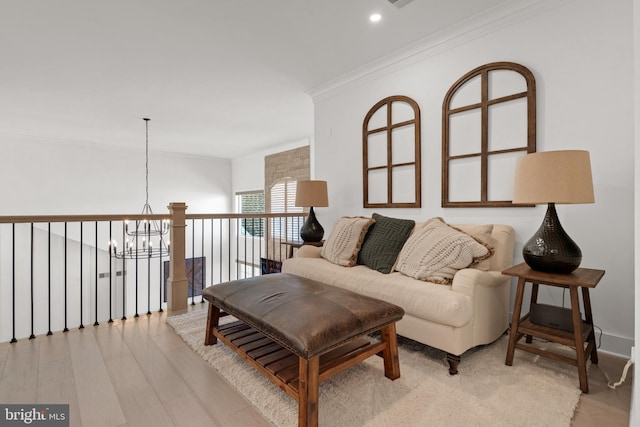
(45, 177)
(581, 56)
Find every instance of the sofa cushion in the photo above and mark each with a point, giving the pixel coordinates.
(383, 242)
(345, 240)
(424, 300)
(437, 251)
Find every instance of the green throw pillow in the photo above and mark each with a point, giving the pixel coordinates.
(383, 242)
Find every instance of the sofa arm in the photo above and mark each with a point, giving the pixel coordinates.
(308, 251)
(466, 280)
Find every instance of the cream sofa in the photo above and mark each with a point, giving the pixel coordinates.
(471, 311)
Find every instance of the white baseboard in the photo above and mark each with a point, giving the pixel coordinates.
(614, 345)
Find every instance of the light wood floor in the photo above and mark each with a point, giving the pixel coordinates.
(139, 372)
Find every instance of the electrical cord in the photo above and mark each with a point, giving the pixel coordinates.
(564, 291)
(623, 376)
(599, 336)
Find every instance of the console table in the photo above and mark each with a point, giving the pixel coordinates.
(299, 243)
(583, 333)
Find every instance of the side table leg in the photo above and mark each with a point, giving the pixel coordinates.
(534, 300)
(579, 343)
(513, 332)
(308, 381)
(586, 301)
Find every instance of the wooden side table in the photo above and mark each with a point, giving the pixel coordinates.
(298, 243)
(583, 333)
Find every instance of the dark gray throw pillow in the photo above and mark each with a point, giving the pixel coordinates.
(383, 242)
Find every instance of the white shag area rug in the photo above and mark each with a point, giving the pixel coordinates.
(535, 391)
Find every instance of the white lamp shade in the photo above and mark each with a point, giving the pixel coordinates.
(554, 177)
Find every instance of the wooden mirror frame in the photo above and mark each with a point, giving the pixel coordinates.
(388, 128)
(483, 106)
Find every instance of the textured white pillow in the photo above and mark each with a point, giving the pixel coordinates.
(435, 252)
(345, 240)
(482, 233)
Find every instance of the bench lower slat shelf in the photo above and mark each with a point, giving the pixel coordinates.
(281, 366)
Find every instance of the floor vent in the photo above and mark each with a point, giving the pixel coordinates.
(399, 3)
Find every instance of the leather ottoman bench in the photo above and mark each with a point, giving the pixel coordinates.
(299, 332)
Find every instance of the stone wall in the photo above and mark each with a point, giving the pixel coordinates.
(292, 163)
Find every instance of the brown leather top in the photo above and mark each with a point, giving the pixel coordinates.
(307, 317)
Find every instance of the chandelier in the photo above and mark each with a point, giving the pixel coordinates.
(138, 242)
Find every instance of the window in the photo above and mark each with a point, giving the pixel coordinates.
(391, 154)
(251, 202)
(488, 122)
(283, 199)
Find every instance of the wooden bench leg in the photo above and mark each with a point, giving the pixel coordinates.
(390, 352)
(309, 371)
(212, 323)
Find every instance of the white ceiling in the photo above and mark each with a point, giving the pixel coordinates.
(217, 78)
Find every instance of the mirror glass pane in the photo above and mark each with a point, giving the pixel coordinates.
(377, 149)
(464, 180)
(465, 132)
(378, 186)
(403, 184)
(403, 145)
(468, 94)
(507, 125)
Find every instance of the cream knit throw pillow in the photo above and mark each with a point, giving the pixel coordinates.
(435, 252)
(345, 240)
(482, 233)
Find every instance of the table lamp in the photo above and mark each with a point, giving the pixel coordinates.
(308, 195)
(553, 177)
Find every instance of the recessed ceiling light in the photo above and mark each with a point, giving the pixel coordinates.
(375, 17)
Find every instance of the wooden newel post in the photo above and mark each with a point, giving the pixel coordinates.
(177, 285)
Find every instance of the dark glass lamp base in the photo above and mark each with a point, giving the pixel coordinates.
(551, 250)
(311, 230)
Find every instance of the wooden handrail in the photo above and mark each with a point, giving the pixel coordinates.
(136, 217)
(246, 215)
(80, 218)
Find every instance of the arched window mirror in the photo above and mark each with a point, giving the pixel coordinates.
(391, 154)
(488, 122)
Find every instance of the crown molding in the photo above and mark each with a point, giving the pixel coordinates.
(491, 20)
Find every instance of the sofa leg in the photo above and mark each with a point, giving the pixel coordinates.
(453, 363)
